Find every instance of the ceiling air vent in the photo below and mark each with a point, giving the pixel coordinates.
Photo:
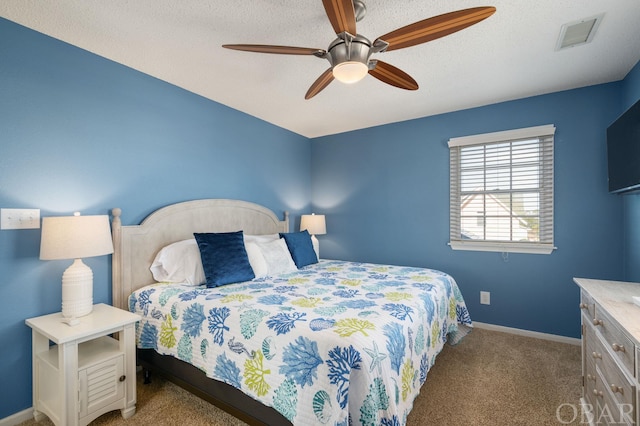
(578, 32)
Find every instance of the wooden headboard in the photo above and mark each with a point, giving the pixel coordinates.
(136, 246)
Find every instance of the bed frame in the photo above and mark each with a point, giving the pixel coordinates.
(135, 248)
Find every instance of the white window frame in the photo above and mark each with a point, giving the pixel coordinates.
(545, 134)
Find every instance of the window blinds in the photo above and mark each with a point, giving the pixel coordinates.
(501, 191)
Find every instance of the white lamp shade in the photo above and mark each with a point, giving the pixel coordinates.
(75, 237)
(313, 223)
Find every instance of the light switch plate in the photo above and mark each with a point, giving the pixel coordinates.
(19, 218)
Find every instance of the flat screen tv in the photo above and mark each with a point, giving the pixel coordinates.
(623, 151)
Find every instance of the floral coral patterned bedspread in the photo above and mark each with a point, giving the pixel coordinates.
(335, 343)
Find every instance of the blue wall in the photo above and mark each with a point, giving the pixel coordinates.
(79, 132)
(385, 191)
(631, 201)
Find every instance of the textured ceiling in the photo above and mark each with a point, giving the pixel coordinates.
(508, 56)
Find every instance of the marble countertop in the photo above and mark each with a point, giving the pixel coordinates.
(616, 298)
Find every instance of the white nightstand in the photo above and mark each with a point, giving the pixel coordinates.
(85, 373)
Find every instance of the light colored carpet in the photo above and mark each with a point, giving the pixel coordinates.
(490, 378)
(494, 378)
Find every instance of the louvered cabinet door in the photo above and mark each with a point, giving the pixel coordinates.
(101, 386)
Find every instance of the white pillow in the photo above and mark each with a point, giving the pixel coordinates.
(256, 259)
(260, 238)
(277, 256)
(179, 263)
(272, 237)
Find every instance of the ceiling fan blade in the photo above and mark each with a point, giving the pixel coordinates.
(322, 82)
(394, 76)
(342, 15)
(284, 50)
(435, 27)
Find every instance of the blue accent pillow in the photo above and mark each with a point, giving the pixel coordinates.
(224, 258)
(301, 248)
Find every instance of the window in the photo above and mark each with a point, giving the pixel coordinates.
(501, 196)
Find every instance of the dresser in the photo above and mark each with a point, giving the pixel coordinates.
(610, 351)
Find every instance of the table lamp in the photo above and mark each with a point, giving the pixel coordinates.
(315, 225)
(76, 237)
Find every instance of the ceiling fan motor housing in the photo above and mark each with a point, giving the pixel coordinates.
(348, 48)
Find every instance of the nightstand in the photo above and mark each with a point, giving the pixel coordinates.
(81, 372)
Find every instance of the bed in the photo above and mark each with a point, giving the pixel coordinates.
(327, 343)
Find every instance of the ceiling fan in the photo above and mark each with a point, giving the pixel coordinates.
(350, 53)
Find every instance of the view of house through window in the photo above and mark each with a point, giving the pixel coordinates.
(502, 191)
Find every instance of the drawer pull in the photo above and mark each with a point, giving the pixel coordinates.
(590, 377)
(596, 355)
(618, 389)
(123, 378)
(598, 393)
(583, 305)
(597, 321)
(617, 348)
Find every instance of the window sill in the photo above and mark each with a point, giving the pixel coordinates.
(502, 247)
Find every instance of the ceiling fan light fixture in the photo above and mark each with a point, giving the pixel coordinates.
(350, 72)
(350, 53)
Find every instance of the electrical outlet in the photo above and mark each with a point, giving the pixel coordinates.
(485, 298)
(19, 218)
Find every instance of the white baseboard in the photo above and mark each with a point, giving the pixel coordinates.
(17, 418)
(527, 333)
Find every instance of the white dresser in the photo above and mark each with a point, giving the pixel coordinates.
(610, 351)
